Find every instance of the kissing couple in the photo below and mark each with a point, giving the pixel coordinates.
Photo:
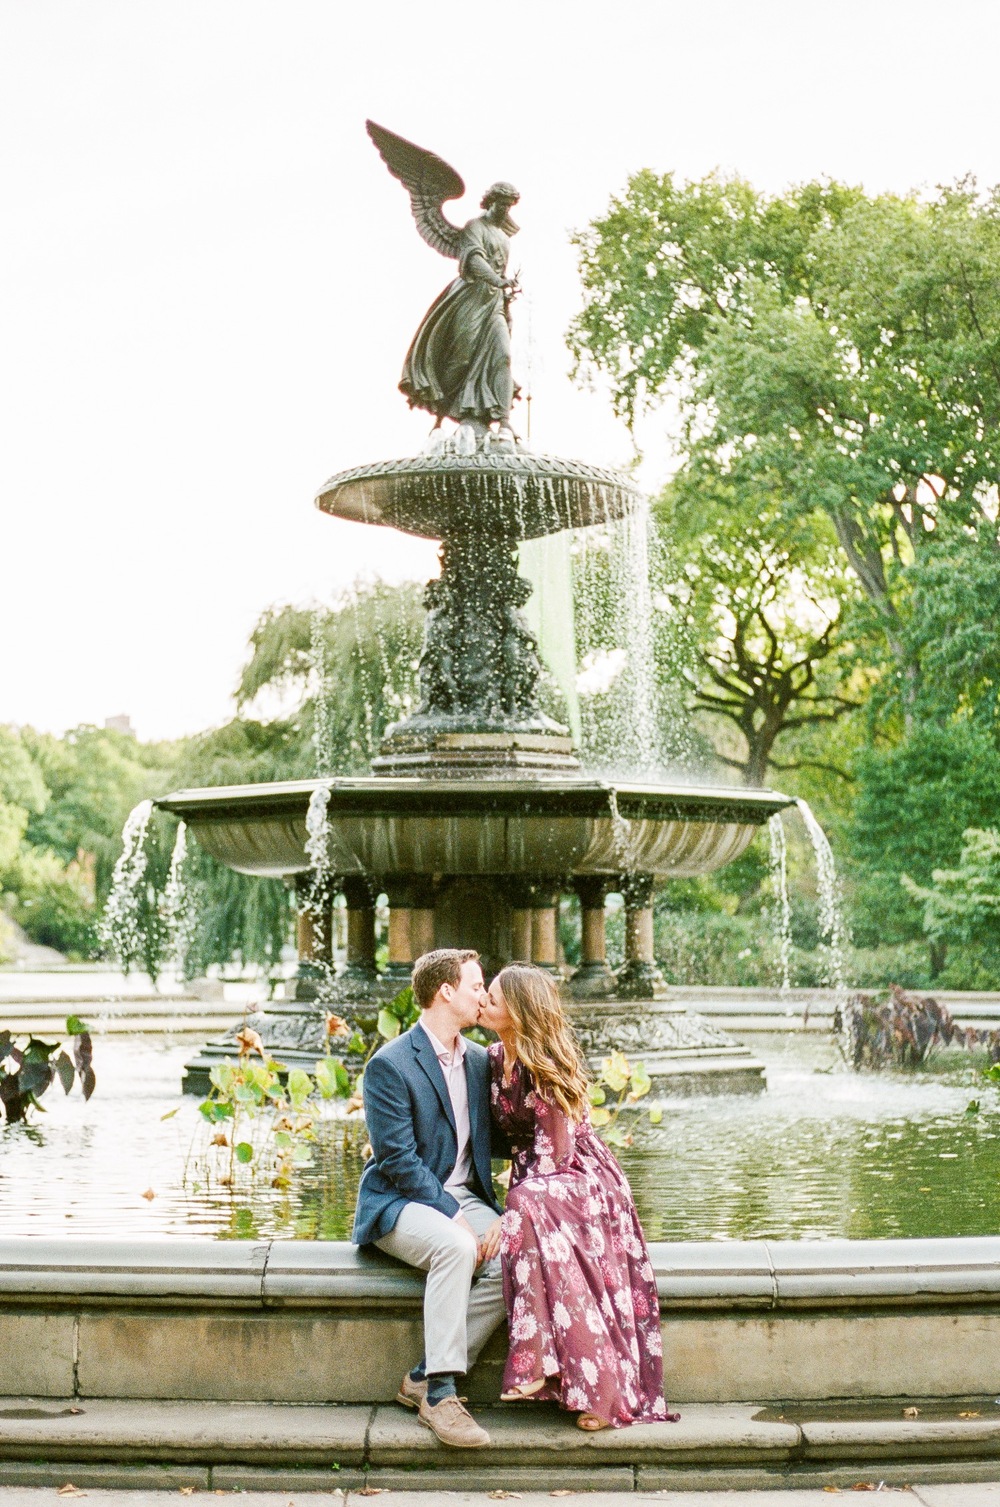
(566, 1261)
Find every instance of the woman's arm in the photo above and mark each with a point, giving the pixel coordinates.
(555, 1138)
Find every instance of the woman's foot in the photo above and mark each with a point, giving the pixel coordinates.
(591, 1422)
(519, 1393)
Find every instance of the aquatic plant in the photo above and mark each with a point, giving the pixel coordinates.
(903, 1030)
(628, 1082)
(27, 1070)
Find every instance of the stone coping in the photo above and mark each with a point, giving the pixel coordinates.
(270, 1274)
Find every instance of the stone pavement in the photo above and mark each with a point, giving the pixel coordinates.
(986, 1494)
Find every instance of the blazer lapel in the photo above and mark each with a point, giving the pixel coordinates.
(427, 1058)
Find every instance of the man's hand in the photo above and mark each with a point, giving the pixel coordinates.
(463, 1224)
(489, 1245)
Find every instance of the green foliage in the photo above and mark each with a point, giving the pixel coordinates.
(350, 679)
(962, 905)
(913, 803)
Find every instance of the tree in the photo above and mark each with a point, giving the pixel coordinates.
(913, 803)
(349, 672)
(837, 351)
(764, 595)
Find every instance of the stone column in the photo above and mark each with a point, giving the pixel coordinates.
(521, 896)
(639, 978)
(422, 918)
(545, 926)
(401, 954)
(359, 980)
(593, 979)
(313, 938)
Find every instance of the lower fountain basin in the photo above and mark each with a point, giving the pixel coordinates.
(501, 490)
(395, 825)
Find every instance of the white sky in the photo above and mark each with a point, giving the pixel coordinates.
(208, 279)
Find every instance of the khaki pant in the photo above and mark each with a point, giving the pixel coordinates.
(460, 1313)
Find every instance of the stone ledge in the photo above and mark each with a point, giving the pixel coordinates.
(692, 1274)
(229, 1446)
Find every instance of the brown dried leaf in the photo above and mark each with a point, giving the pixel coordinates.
(336, 1025)
(248, 1041)
(354, 1103)
(186, 1491)
(562, 1491)
(908, 1413)
(370, 1491)
(499, 1495)
(149, 1195)
(220, 1140)
(69, 1490)
(970, 1415)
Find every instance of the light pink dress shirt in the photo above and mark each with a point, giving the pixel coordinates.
(453, 1067)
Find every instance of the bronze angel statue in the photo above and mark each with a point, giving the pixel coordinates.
(458, 366)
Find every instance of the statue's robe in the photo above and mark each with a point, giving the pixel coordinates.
(458, 366)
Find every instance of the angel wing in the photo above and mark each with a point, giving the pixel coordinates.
(428, 180)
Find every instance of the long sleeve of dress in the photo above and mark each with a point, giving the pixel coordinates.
(555, 1139)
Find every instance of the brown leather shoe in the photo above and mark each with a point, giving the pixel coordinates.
(453, 1424)
(411, 1393)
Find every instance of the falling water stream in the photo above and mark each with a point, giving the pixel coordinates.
(122, 923)
(783, 909)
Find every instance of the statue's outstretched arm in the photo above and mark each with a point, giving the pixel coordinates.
(428, 180)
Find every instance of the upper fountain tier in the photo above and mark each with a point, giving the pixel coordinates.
(497, 489)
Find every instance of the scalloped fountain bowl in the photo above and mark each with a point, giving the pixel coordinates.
(502, 489)
(396, 825)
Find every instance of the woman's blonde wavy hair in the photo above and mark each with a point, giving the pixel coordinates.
(544, 1037)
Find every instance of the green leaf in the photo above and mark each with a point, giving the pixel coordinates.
(170, 1113)
(615, 1071)
(655, 1116)
(596, 1094)
(300, 1086)
(616, 1136)
(600, 1117)
(65, 1070)
(75, 1026)
(244, 1151)
(283, 1139)
(972, 1108)
(388, 1024)
(641, 1082)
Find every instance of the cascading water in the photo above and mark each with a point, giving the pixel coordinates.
(831, 917)
(123, 925)
(180, 911)
(318, 841)
(322, 734)
(782, 906)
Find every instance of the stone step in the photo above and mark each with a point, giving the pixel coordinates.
(233, 1446)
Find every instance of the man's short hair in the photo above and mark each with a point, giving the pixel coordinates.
(442, 966)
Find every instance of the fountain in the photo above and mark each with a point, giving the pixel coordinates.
(477, 815)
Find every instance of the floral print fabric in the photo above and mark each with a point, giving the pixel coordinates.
(578, 1283)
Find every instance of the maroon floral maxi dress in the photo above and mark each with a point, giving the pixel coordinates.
(578, 1283)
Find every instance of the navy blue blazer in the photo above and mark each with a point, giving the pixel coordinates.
(411, 1126)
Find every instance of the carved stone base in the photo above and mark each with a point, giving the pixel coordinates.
(592, 981)
(683, 1053)
(640, 980)
(469, 753)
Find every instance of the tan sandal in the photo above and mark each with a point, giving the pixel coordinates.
(524, 1393)
(591, 1423)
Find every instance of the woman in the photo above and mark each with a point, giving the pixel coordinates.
(578, 1284)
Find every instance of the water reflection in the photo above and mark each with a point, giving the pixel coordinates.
(824, 1153)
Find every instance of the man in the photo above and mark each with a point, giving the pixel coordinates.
(426, 1195)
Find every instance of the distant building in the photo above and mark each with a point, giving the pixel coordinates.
(120, 724)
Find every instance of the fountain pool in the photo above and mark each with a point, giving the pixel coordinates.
(827, 1152)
